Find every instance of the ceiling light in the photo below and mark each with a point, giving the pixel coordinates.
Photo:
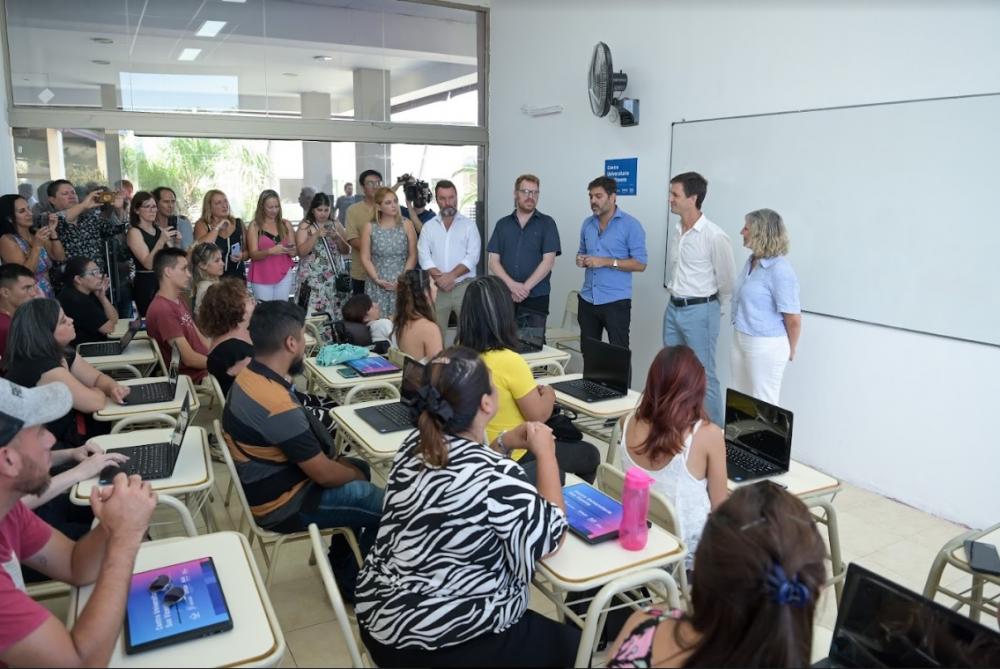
(210, 28)
(289, 74)
(46, 95)
(101, 62)
(189, 54)
(236, 1)
(325, 59)
(102, 40)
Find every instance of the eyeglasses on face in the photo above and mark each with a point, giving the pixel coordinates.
(93, 272)
(374, 183)
(527, 192)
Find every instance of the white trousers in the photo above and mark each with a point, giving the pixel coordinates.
(757, 365)
(266, 292)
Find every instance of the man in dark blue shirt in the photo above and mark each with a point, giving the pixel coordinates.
(522, 251)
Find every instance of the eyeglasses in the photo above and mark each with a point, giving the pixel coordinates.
(373, 183)
(528, 193)
(92, 272)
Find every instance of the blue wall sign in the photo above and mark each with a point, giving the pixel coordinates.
(624, 171)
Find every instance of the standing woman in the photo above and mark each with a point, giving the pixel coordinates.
(766, 313)
(270, 246)
(388, 248)
(322, 249)
(145, 239)
(35, 249)
(218, 226)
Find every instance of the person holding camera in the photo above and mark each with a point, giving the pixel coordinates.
(32, 243)
(322, 263)
(145, 239)
(84, 225)
(417, 194)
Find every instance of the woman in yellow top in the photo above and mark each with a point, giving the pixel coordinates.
(487, 325)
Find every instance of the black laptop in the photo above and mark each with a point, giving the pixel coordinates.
(883, 624)
(395, 416)
(530, 340)
(102, 348)
(153, 461)
(606, 370)
(157, 391)
(758, 438)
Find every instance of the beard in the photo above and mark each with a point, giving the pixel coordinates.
(448, 212)
(297, 366)
(32, 480)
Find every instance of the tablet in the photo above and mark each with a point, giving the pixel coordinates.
(372, 365)
(592, 515)
(175, 603)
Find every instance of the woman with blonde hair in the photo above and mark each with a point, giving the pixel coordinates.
(218, 226)
(206, 269)
(271, 247)
(388, 248)
(766, 312)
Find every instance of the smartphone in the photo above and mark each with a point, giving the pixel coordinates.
(39, 222)
(347, 372)
(105, 197)
(983, 557)
(235, 249)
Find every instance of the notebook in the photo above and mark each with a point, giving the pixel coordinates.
(758, 438)
(395, 416)
(606, 370)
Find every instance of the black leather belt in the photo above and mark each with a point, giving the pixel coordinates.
(691, 301)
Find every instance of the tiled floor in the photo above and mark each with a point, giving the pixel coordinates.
(879, 533)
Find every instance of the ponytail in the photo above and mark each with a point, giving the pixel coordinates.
(432, 448)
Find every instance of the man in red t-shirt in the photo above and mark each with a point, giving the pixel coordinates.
(17, 286)
(168, 320)
(29, 634)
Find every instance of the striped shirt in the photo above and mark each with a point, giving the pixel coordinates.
(456, 549)
(269, 433)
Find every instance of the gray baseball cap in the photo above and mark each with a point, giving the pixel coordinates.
(22, 407)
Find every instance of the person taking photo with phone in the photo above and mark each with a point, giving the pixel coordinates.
(32, 243)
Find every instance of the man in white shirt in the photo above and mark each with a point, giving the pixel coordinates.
(448, 248)
(701, 268)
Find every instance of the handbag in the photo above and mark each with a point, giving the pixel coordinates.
(561, 423)
(335, 354)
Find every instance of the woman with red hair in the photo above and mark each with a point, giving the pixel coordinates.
(671, 438)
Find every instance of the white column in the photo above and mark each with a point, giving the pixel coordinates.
(371, 103)
(8, 168)
(57, 160)
(112, 147)
(317, 167)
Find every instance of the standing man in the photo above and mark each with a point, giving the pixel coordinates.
(612, 246)
(344, 202)
(701, 267)
(448, 248)
(166, 216)
(359, 215)
(522, 251)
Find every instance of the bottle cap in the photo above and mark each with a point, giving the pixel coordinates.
(638, 478)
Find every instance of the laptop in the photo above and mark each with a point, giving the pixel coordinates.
(883, 624)
(758, 438)
(157, 391)
(396, 416)
(530, 340)
(153, 461)
(373, 365)
(606, 371)
(102, 348)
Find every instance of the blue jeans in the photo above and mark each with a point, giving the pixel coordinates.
(697, 326)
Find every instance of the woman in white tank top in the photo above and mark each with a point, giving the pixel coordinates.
(672, 440)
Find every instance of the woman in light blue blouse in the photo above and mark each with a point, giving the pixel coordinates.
(766, 313)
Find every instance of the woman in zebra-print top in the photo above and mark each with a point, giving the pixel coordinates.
(447, 582)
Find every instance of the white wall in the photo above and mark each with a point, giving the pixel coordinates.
(8, 175)
(900, 413)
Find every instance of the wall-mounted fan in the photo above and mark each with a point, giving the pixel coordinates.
(607, 86)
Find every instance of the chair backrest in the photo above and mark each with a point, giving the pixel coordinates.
(358, 334)
(612, 481)
(333, 593)
(398, 358)
(572, 306)
(213, 385)
(231, 466)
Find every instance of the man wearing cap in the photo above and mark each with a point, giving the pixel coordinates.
(29, 634)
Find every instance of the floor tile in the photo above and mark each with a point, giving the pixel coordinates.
(301, 603)
(319, 645)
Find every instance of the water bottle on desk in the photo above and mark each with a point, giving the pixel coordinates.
(634, 532)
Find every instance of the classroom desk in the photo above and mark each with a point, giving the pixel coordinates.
(817, 491)
(337, 387)
(113, 412)
(593, 416)
(139, 353)
(122, 326)
(550, 361)
(973, 596)
(255, 640)
(193, 475)
(376, 448)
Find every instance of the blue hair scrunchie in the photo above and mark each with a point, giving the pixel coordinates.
(430, 400)
(786, 591)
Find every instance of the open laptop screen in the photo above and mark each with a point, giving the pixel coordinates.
(757, 426)
(882, 624)
(413, 378)
(606, 364)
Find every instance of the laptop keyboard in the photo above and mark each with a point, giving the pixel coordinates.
(748, 461)
(150, 461)
(160, 391)
(101, 348)
(396, 412)
(595, 390)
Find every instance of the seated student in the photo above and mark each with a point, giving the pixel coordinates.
(486, 324)
(415, 325)
(29, 634)
(758, 573)
(168, 320)
(672, 440)
(17, 286)
(285, 459)
(362, 310)
(84, 299)
(224, 315)
(447, 583)
(207, 267)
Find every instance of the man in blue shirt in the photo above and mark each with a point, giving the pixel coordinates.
(522, 251)
(612, 246)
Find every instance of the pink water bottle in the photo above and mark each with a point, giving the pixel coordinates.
(633, 532)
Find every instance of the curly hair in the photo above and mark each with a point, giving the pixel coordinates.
(223, 307)
(768, 235)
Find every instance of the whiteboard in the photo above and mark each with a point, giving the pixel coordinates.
(893, 210)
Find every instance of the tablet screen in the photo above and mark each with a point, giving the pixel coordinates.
(592, 515)
(175, 603)
(373, 364)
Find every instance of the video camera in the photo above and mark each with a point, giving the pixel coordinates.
(416, 191)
